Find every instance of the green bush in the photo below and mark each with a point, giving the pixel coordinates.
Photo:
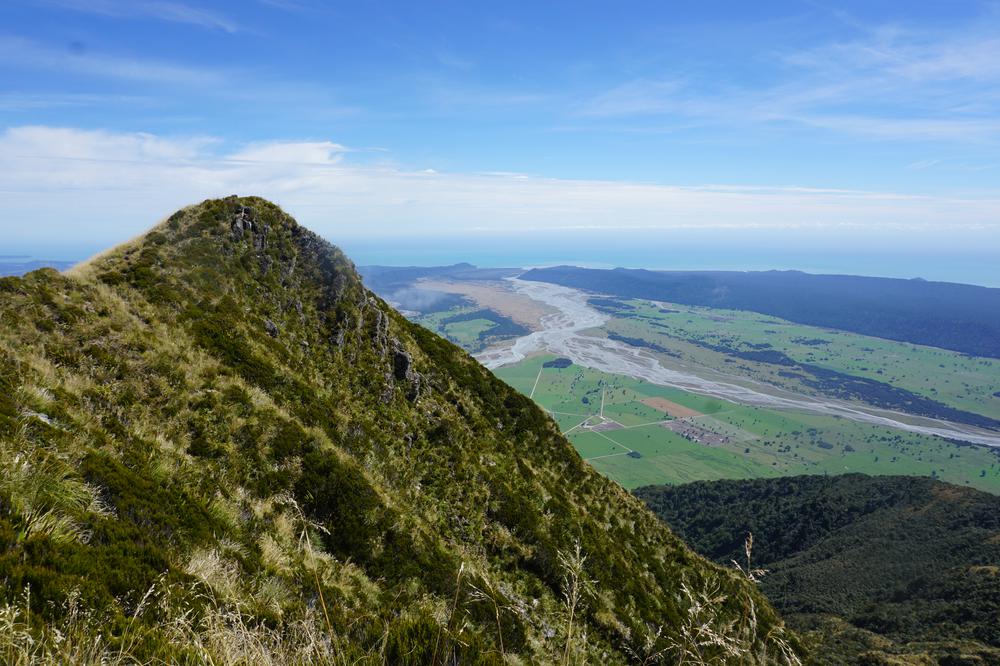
(168, 515)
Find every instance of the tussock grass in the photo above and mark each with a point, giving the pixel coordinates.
(43, 491)
(201, 491)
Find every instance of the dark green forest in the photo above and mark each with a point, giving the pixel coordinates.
(909, 559)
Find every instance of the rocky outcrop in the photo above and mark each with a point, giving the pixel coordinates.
(242, 220)
(245, 220)
(402, 370)
(401, 364)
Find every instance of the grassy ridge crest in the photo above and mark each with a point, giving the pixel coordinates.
(217, 445)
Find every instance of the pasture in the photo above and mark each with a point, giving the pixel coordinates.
(696, 334)
(657, 434)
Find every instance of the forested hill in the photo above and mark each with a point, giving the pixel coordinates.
(217, 446)
(906, 558)
(959, 317)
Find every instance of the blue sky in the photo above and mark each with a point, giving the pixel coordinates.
(817, 125)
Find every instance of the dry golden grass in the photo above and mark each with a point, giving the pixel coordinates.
(671, 408)
(497, 296)
(86, 267)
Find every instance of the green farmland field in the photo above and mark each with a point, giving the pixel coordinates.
(465, 334)
(625, 428)
(958, 380)
(746, 442)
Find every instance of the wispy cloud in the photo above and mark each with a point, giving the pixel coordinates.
(27, 53)
(453, 60)
(45, 171)
(162, 10)
(160, 84)
(961, 129)
(453, 96)
(640, 97)
(292, 5)
(890, 83)
(920, 165)
(21, 101)
(895, 54)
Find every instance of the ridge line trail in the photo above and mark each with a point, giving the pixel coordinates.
(563, 333)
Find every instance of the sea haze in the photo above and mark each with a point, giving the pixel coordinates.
(16, 264)
(979, 266)
(718, 251)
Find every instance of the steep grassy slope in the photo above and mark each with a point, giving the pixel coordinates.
(217, 445)
(907, 559)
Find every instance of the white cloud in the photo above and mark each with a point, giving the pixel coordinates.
(290, 153)
(63, 145)
(65, 183)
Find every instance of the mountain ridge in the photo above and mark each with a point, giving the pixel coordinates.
(228, 422)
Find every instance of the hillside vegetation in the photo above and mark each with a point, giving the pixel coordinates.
(906, 565)
(217, 446)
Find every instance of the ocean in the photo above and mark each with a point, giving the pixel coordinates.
(980, 266)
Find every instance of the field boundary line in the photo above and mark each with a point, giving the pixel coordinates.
(643, 425)
(576, 426)
(537, 377)
(627, 450)
(609, 455)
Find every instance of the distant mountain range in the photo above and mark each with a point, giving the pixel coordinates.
(959, 317)
(19, 265)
